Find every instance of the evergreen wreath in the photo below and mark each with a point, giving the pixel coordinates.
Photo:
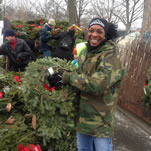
(54, 109)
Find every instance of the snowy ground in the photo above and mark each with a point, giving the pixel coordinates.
(129, 136)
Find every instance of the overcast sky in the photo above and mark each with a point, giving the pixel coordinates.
(136, 25)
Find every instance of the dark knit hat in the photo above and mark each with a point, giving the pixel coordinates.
(9, 32)
(101, 22)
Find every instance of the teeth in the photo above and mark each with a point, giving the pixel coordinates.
(94, 40)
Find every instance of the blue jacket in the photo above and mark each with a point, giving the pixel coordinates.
(45, 37)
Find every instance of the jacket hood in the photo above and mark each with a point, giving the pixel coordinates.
(47, 26)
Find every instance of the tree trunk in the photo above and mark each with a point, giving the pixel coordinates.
(72, 11)
(146, 25)
(1, 9)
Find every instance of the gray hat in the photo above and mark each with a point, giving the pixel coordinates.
(51, 22)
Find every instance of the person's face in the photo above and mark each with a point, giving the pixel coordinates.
(96, 35)
(52, 26)
(10, 38)
(36, 45)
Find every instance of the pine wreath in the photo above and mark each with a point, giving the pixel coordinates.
(14, 128)
(54, 110)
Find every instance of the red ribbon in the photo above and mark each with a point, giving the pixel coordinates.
(17, 33)
(33, 25)
(54, 32)
(47, 87)
(41, 21)
(30, 147)
(19, 26)
(38, 27)
(17, 78)
(58, 27)
(1, 94)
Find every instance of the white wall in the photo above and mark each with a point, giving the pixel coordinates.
(1, 29)
(1, 34)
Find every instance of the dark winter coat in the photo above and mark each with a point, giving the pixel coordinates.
(31, 44)
(45, 36)
(64, 53)
(18, 57)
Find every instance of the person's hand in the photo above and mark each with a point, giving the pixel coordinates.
(55, 80)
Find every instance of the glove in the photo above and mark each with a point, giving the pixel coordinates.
(23, 55)
(56, 79)
(52, 36)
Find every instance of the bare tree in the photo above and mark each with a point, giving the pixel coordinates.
(52, 9)
(45, 8)
(105, 9)
(129, 11)
(60, 10)
(32, 9)
(146, 25)
(25, 10)
(125, 11)
(19, 10)
(72, 11)
(78, 9)
(1, 9)
(7, 6)
(81, 6)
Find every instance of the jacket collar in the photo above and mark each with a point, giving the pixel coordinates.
(95, 49)
(47, 26)
(13, 43)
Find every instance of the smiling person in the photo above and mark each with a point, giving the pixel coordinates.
(98, 79)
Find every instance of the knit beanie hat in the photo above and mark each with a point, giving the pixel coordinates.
(51, 22)
(101, 22)
(9, 32)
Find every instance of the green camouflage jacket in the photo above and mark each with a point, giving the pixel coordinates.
(98, 79)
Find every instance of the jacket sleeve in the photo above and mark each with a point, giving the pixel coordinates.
(108, 75)
(3, 49)
(27, 48)
(58, 36)
(45, 36)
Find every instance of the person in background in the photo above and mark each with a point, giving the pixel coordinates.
(34, 46)
(45, 36)
(145, 85)
(64, 49)
(17, 50)
(98, 79)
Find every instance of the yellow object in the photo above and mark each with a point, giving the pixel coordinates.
(77, 27)
(71, 28)
(74, 27)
